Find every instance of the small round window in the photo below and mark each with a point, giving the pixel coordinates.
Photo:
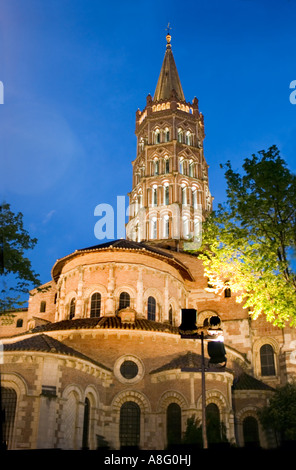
(129, 369)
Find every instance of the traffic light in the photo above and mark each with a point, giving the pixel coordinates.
(188, 328)
(217, 353)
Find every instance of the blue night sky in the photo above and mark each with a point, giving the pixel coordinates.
(76, 71)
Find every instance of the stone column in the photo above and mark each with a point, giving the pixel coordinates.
(139, 308)
(79, 301)
(166, 299)
(110, 304)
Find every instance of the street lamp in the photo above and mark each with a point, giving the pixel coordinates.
(216, 350)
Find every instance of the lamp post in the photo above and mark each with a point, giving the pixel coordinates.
(216, 351)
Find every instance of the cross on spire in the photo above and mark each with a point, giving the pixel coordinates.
(168, 28)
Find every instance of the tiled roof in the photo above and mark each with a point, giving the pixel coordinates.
(247, 382)
(168, 79)
(188, 360)
(126, 245)
(107, 322)
(45, 343)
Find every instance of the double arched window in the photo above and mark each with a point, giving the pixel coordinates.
(95, 305)
(124, 300)
(151, 308)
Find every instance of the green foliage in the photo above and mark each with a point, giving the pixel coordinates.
(280, 414)
(249, 243)
(193, 433)
(15, 268)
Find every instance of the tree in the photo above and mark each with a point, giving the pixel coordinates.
(16, 270)
(193, 433)
(249, 242)
(280, 413)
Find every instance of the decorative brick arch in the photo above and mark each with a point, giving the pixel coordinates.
(201, 316)
(169, 397)
(131, 395)
(214, 396)
(92, 394)
(76, 389)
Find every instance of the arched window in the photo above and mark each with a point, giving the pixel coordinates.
(154, 196)
(188, 138)
(167, 165)
(181, 167)
(42, 306)
(129, 426)
(194, 198)
(173, 424)
(166, 195)
(19, 323)
(124, 300)
(156, 167)
(180, 135)
(166, 135)
(157, 136)
(251, 432)
(72, 309)
(186, 233)
(85, 431)
(154, 227)
(227, 292)
(213, 423)
(166, 226)
(171, 315)
(184, 196)
(191, 168)
(267, 360)
(151, 308)
(95, 305)
(8, 405)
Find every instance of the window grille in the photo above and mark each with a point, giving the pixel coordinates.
(129, 428)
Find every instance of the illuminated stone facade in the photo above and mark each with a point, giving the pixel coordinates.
(97, 358)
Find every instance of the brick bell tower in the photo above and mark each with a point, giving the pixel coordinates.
(170, 196)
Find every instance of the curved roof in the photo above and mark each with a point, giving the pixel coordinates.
(44, 343)
(106, 323)
(124, 245)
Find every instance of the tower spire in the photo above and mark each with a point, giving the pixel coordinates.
(168, 80)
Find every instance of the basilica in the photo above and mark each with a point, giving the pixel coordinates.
(97, 359)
